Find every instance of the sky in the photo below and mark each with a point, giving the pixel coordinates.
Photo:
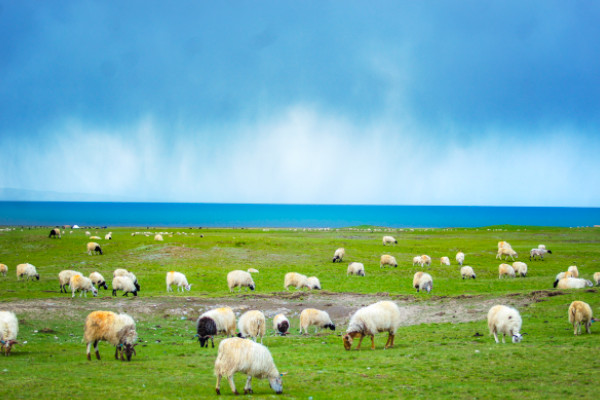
(304, 102)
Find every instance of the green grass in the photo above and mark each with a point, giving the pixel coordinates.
(430, 360)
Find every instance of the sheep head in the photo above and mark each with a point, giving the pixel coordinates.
(347, 341)
(276, 383)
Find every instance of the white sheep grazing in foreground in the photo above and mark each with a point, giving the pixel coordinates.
(460, 258)
(506, 252)
(574, 271)
(178, 279)
(117, 329)
(64, 277)
(281, 324)
(93, 248)
(597, 278)
(295, 279)
(422, 281)
(224, 318)
(318, 318)
(239, 278)
(386, 259)
(3, 269)
(533, 253)
(467, 272)
(383, 316)
(389, 240)
(158, 237)
(252, 324)
(520, 268)
(82, 284)
(444, 261)
(505, 269)
(98, 280)
(128, 274)
(339, 254)
(9, 329)
(125, 284)
(580, 313)
(313, 283)
(505, 320)
(253, 359)
(574, 283)
(28, 271)
(356, 268)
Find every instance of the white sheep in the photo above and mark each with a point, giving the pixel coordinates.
(158, 237)
(597, 278)
(281, 324)
(574, 283)
(505, 320)
(28, 271)
(295, 279)
(117, 329)
(252, 324)
(508, 252)
(356, 268)
(83, 284)
(460, 258)
(389, 240)
(318, 318)
(339, 254)
(95, 238)
(3, 269)
(506, 269)
(125, 284)
(386, 259)
(128, 274)
(416, 260)
(253, 359)
(178, 279)
(533, 253)
(313, 283)
(93, 248)
(224, 318)
(504, 245)
(444, 261)
(108, 236)
(425, 261)
(580, 313)
(542, 246)
(239, 278)
(9, 329)
(422, 281)
(467, 272)
(574, 271)
(383, 316)
(253, 270)
(520, 268)
(98, 280)
(64, 277)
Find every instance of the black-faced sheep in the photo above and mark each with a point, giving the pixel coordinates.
(505, 270)
(389, 240)
(460, 258)
(339, 254)
(130, 275)
(386, 259)
(27, 271)
(94, 248)
(574, 283)
(318, 318)
(281, 324)
(520, 268)
(533, 253)
(117, 329)
(356, 268)
(224, 322)
(422, 281)
(98, 280)
(239, 278)
(467, 272)
(64, 277)
(54, 233)
(125, 284)
(295, 279)
(383, 316)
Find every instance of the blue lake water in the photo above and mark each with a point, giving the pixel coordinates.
(277, 215)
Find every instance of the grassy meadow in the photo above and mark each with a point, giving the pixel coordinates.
(441, 356)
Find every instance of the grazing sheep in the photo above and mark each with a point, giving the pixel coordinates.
(538, 253)
(253, 270)
(252, 324)
(386, 259)
(206, 328)
(520, 268)
(444, 261)
(64, 277)
(416, 260)
(339, 254)
(425, 261)
(108, 236)
(383, 316)
(460, 258)
(422, 281)
(3, 269)
(158, 237)
(93, 247)
(295, 279)
(54, 233)
(597, 278)
(505, 320)
(130, 275)
(389, 240)
(28, 271)
(281, 324)
(98, 280)
(9, 329)
(356, 268)
(125, 284)
(505, 269)
(80, 283)
(178, 279)
(253, 359)
(239, 278)
(574, 271)
(506, 252)
(467, 272)
(117, 329)
(574, 283)
(224, 320)
(318, 318)
(580, 313)
(313, 283)
(95, 238)
(87, 233)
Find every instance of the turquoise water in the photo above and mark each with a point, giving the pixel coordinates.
(277, 215)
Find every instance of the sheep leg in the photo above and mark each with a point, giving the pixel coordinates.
(389, 339)
(588, 326)
(114, 292)
(212, 341)
(496, 337)
(89, 348)
(95, 349)
(372, 342)
(116, 352)
(232, 385)
(360, 341)
(248, 387)
(218, 387)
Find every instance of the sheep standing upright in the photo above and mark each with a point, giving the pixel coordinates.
(389, 240)
(520, 268)
(239, 278)
(28, 271)
(224, 322)
(460, 258)
(9, 329)
(318, 318)
(83, 284)
(125, 284)
(422, 281)
(93, 248)
(64, 277)
(506, 252)
(580, 313)
(253, 359)
(54, 233)
(295, 279)
(252, 324)
(98, 280)
(356, 268)
(505, 320)
(3, 269)
(117, 329)
(128, 274)
(533, 253)
(206, 328)
(178, 279)
(281, 324)
(339, 254)
(383, 316)
(444, 261)
(386, 259)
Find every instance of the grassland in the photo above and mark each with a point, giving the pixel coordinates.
(439, 352)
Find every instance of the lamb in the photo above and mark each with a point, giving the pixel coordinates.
(252, 324)
(295, 279)
(597, 278)
(460, 258)
(9, 329)
(64, 277)
(80, 283)
(386, 259)
(389, 240)
(506, 252)
(422, 281)
(117, 329)
(313, 283)
(158, 237)
(130, 275)
(98, 280)
(574, 283)
(467, 272)
(505, 320)
(125, 284)
(281, 324)
(580, 313)
(356, 268)
(520, 268)
(444, 261)
(108, 236)
(339, 254)
(505, 269)
(224, 320)
(239, 278)
(253, 359)
(3, 269)
(178, 279)
(28, 271)
(574, 271)
(54, 233)
(538, 253)
(93, 247)
(318, 318)
(383, 316)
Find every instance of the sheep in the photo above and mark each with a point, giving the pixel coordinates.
(130, 275)
(95, 238)
(597, 278)
(117, 329)
(28, 271)
(87, 233)
(9, 329)
(253, 359)
(339, 254)
(422, 281)
(520, 268)
(54, 233)
(444, 261)
(508, 252)
(318, 318)
(356, 268)
(239, 278)
(505, 320)
(252, 324)
(580, 313)
(80, 283)
(505, 269)
(253, 270)
(416, 260)
(386, 259)
(467, 272)
(425, 260)
(158, 237)
(389, 240)
(108, 236)
(3, 269)
(125, 284)
(574, 283)
(295, 279)
(98, 280)
(504, 245)
(383, 316)
(93, 247)
(224, 319)
(206, 328)
(178, 279)
(574, 271)
(281, 324)
(460, 258)
(64, 277)
(542, 246)
(313, 283)
(538, 253)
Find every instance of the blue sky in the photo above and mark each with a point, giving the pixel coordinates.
(403, 102)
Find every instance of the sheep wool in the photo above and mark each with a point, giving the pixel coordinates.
(520, 268)
(9, 329)
(54, 233)
(422, 281)
(281, 324)
(28, 271)
(467, 272)
(416, 260)
(508, 252)
(93, 248)
(597, 278)
(130, 275)
(316, 318)
(206, 328)
(125, 284)
(389, 240)
(108, 236)
(313, 283)
(444, 261)
(98, 280)
(239, 278)
(178, 279)
(460, 258)
(574, 271)
(83, 284)
(580, 313)
(295, 279)
(383, 316)
(252, 324)
(224, 318)
(356, 268)
(386, 259)
(158, 237)
(505, 270)
(574, 283)
(116, 329)
(506, 321)
(3, 269)
(339, 254)
(425, 260)
(64, 277)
